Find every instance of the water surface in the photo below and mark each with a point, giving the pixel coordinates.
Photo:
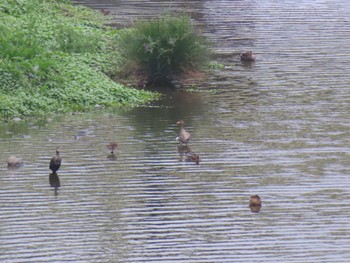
(278, 128)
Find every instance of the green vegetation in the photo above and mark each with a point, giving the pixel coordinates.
(163, 48)
(56, 57)
(214, 65)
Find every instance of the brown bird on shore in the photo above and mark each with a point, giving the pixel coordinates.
(55, 162)
(255, 200)
(184, 136)
(112, 146)
(248, 56)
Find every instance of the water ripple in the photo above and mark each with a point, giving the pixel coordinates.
(277, 127)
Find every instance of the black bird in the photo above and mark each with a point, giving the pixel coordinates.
(55, 162)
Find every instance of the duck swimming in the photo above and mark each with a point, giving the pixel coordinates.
(255, 200)
(14, 162)
(192, 157)
(248, 56)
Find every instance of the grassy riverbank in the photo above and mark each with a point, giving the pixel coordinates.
(56, 57)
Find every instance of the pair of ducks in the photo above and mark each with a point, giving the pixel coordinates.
(56, 160)
(184, 137)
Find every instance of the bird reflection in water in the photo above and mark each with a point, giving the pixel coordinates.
(54, 181)
(248, 64)
(182, 150)
(112, 157)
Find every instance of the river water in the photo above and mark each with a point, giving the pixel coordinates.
(278, 128)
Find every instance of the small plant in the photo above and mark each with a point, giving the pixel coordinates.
(164, 47)
(214, 65)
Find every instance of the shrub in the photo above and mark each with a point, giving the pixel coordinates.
(164, 47)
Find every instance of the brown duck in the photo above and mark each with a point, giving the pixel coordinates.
(255, 200)
(192, 157)
(184, 136)
(248, 56)
(55, 162)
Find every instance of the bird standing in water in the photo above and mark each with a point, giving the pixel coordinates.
(55, 162)
(112, 146)
(184, 136)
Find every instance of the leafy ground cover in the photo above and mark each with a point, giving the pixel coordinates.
(56, 57)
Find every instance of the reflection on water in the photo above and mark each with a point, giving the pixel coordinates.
(187, 155)
(54, 182)
(255, 208)
(278, 129)
(248, 64)
(112, 157)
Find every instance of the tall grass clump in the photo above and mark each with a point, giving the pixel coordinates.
(164, 47)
